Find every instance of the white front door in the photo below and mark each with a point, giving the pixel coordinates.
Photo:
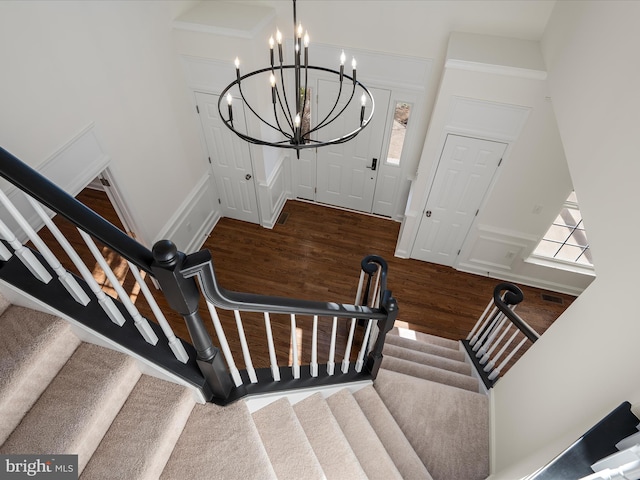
(230, 160)
(347, 172)
(465, 170)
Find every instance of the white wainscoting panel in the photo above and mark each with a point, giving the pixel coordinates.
(192, 222)
(495, 249)
(273, 194)
(497, 121)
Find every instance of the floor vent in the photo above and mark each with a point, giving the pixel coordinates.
(282, 219)
(552, 298)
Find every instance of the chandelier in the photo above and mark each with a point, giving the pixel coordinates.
(286, 122)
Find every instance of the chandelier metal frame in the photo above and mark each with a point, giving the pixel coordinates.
(289, 124)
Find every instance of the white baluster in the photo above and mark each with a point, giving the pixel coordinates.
(66, 279)
(497, 371)
(275, 372)
(332, 347)
(376, 290)
(487, 355)
(488, 330)
(25, 255)
(5, 253)
(347, 353)
(174, 342)
(360, 285)
(139, 321)
(491, 338)
(492, 363)
(295, 367)
(314, 348)
(365, 343)
(224, 345)
(245, 348)
(104, 300)
(477, 325)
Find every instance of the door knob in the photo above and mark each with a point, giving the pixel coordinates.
(248, 176)
(428, 213)
(374, 164)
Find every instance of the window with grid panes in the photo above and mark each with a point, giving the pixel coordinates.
(566, 239)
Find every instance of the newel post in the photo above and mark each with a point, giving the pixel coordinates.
(183, 296)
(390, 306)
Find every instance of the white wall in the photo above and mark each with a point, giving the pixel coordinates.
(509, 74)
(68, 64)
(587, 363)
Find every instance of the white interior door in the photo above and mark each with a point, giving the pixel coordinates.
(230, 161)
(345, 173)
(465, 170)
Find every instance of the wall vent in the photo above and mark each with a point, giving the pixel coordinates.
(282, 219)
(552, 298)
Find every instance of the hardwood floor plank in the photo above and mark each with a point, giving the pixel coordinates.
(315, 255)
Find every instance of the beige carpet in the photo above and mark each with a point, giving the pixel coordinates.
(287, 445)
(64, 396)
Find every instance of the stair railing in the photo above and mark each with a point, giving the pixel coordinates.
(182, 279)
(493, 331)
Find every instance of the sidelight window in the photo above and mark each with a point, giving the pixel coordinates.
(398, 131)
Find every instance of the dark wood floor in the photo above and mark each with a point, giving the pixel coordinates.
(315, 255)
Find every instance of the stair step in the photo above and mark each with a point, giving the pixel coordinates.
(400, 450)
(77, 408)
(286, 444)
(436, 361)
(456, 419)
(327, 440)
(426, 372)
(28, 338)
(144, 432)
(425, 338)
(364, 441)
(219, 442)
(425, 347)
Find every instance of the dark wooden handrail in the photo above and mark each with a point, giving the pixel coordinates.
(49, 194)
(513, 296)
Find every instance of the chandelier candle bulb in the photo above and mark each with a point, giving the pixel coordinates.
(306, 49)
(363, 101)
(272, 79)
(353, 66)
(279, 40)
(237, 63)
(229, 100)
(271, 43)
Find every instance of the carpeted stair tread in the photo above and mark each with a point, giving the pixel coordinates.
(456, 419)
(369, 450)
(426, 372)
(143, 434)
(33, 348)
(77, 408)
(286, 444)
(425, 347)
(400, 450)
(4, 304)
(436, 361)
(219, 442)
(425, 338)
(327, 440)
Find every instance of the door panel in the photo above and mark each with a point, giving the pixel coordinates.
(344, 177)
(230, 161)
(465, 171)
